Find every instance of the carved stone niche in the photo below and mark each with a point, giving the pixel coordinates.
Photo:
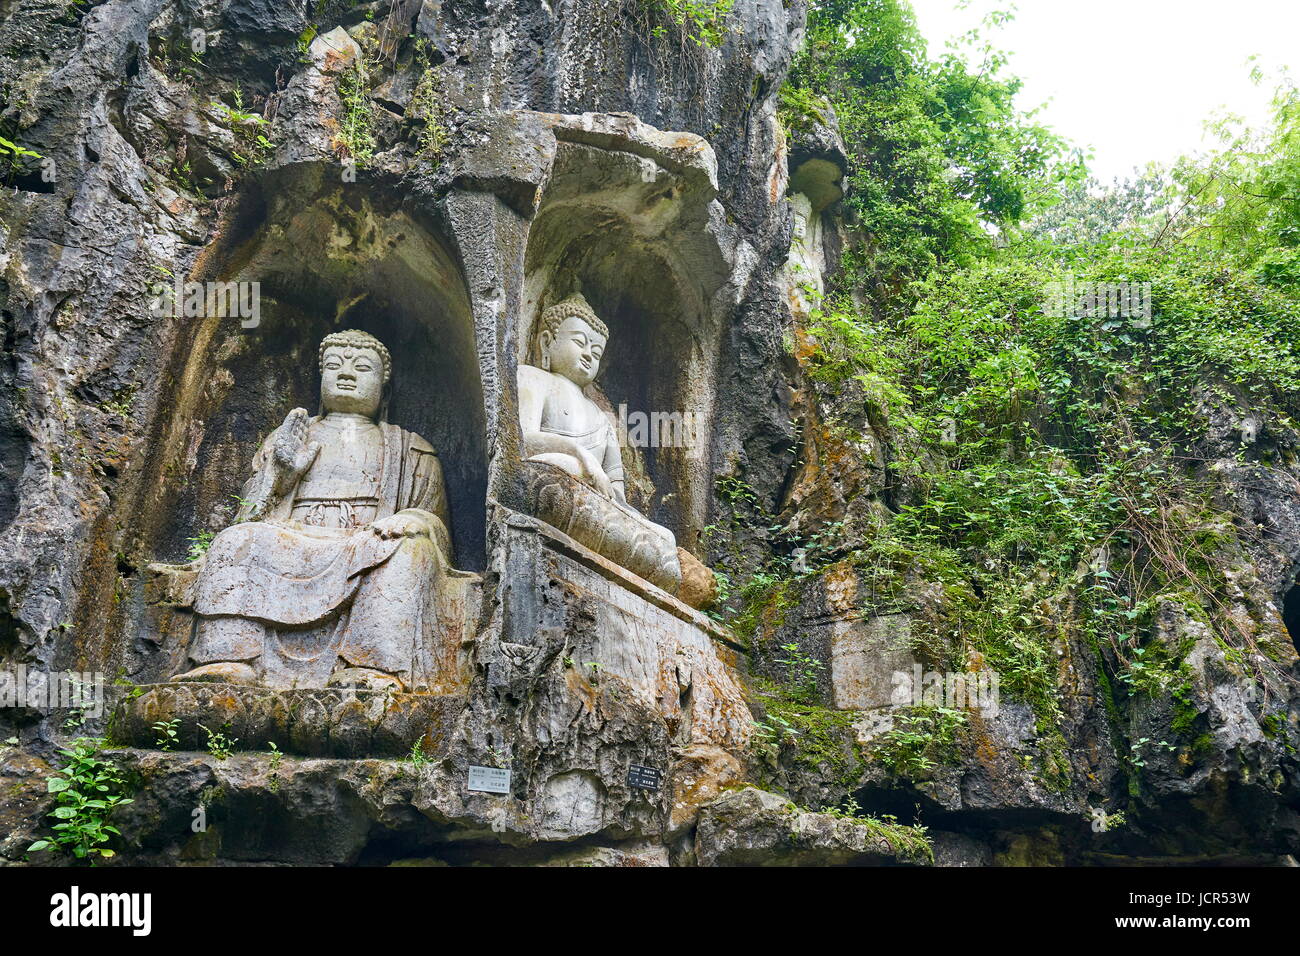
(327, 257)
(627, 216)
(628, 219)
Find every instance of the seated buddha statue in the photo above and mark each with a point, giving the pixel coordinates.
(565, 430)
(330, 574)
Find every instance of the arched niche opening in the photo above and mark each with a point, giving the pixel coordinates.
(632, 235)
(328, 256)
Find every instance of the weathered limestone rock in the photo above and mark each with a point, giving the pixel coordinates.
(818, 160)
(24, 800)
(311, 106)
(549, 143)
(647, 854)
(332, 722)
(751, 827)
(993, 762)
(864, 657)
(260, 807)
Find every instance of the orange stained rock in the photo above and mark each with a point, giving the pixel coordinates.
(841, 584)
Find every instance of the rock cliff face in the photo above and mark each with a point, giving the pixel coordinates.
(153, 178)
(437, 171)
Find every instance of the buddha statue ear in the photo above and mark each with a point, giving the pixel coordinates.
(386, 393)
(544, 342)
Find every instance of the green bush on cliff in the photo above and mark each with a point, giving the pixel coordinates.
(921, 739)
(1045, 461)
(1049, 462)
(703, 22)
(87, 789)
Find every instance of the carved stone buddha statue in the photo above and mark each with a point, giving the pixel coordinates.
(330, 575)
(563, 428)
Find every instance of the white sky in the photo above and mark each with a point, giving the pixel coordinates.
(1133, 79)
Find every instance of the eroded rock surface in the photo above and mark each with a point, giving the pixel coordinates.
(750, 827)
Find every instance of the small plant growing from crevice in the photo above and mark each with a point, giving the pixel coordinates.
(356, 135)
(771, 734)
(122, 401)
(87, 790)
(199, 545)
(168, 732)
(178, 56)
(277, 757)
(219, 745)
(417, 758)
(803, 672)
(304, 43)
(14, 159)
(249, 129)
(77, 713)
(429, 107)
(1143, 747)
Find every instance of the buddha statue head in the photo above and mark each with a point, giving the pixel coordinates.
(355, 368)
(572, 340)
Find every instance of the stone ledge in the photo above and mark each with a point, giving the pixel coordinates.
(564, 544)
(314, 723)
(752, 827)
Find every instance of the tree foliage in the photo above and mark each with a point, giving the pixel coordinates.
(1047, 467)
(1242, 200)
(941, 158)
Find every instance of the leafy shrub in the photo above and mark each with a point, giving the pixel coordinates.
(87, 789)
